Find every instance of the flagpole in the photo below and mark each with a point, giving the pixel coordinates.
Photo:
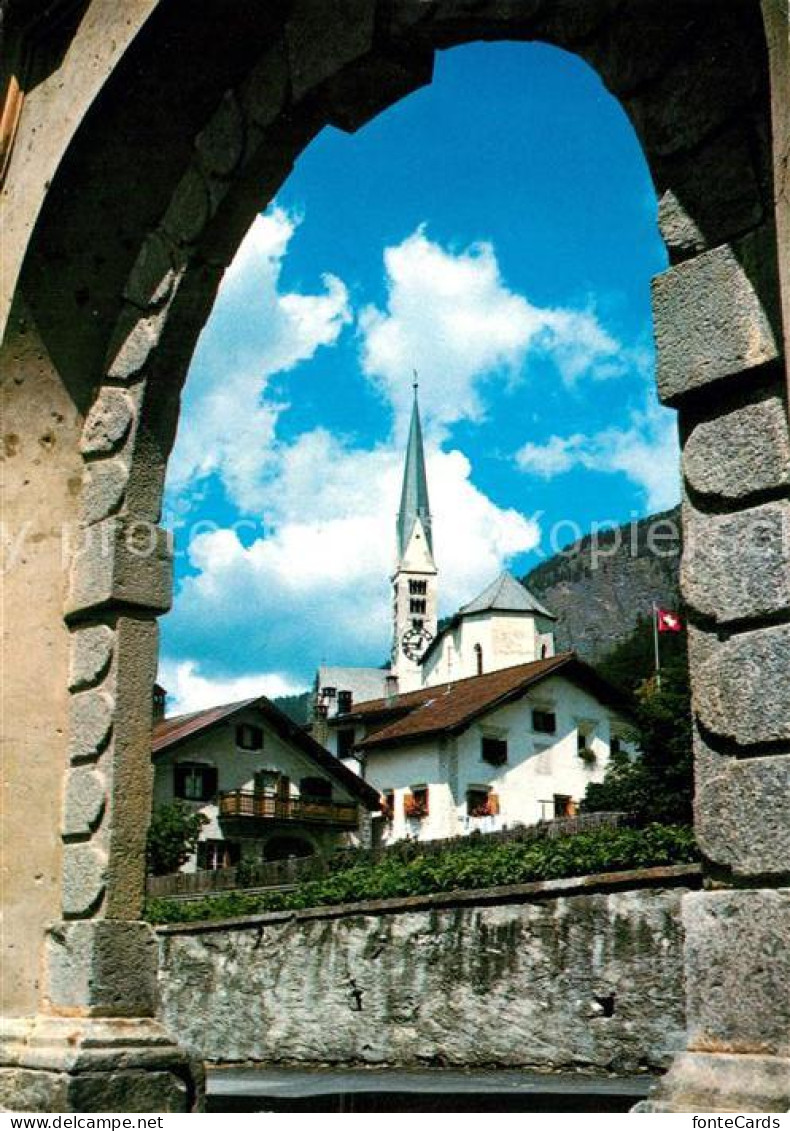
(655, 645)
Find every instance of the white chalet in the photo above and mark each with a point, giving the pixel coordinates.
(513, 746)
(268, 790)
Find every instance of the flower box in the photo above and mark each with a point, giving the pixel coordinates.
(415, 807)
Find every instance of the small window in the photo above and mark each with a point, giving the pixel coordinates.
(388, 804)
(544, 722)
(249, 737)
(215, 854)
(416, 623)
(481, 802)
(315, 789)
(345, 701)
(564, 806)
(415, 803)
(493, 750)
(417, 588)
(479, 658)
(345, 742)
(582, 741)
(417, 605)
(194, 782)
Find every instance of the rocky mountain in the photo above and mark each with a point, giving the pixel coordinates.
(600, 585)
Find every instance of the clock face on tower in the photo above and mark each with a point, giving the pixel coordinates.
(414, 642)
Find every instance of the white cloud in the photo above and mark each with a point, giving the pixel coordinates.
(318, 586)
(647, 452)
(255, 331)
(188, 691)
(452, 317)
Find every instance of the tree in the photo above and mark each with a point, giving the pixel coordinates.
(657, 784)
(172, 837)
(296, 707)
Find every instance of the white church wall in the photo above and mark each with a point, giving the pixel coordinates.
(505, 639)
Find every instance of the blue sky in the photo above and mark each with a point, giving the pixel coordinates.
(497, 232)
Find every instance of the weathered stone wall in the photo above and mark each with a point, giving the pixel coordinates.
(529, 982)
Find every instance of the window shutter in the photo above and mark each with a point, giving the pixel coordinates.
(210, 782)
(179, 779)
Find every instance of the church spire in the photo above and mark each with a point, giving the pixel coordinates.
(414, 582)
(414, 494)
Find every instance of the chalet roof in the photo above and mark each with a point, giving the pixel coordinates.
(172, 732)
(449, 708)
(506, 595)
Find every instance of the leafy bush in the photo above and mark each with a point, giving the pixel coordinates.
(471, 864)
(172, 837)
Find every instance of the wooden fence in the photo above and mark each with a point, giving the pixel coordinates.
(278, 874)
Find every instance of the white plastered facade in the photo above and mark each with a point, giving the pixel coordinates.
(540, 767)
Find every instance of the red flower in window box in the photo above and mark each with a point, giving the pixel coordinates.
(415, 805)
(487, 808)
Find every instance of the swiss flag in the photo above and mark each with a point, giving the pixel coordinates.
(668, 621)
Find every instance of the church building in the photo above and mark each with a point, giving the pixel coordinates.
(479, 723)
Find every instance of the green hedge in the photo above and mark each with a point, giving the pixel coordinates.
(468, 865)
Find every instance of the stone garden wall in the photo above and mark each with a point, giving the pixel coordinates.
(572, 974)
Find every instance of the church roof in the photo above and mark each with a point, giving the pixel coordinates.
(451, 707)
(172, 732)
(503, 595)
(414, 493)
(506, 595)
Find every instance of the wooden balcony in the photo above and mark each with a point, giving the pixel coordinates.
(250, 806)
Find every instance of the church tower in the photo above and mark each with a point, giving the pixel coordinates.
(414, 582)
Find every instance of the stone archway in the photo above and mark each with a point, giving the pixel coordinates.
(182, 136)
